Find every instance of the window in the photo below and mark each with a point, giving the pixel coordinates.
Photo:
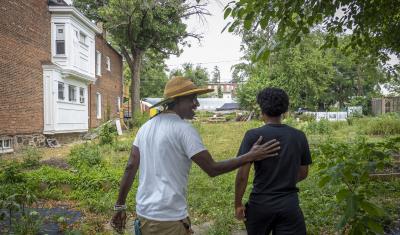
(6, 145)
(81, 95)
(108, 63)
(71, 93)
(98, 105)
(98, 63)
(61, 91)
(60, 39)
(82, 38)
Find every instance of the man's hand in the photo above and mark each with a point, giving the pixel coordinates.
(262, 151)
(240, 213)
(118, 221)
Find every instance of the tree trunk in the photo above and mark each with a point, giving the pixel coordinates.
(360, 91)
(134, 61)
(135, 82)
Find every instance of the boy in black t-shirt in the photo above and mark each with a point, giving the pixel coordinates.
(273, 203)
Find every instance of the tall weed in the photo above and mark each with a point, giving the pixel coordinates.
(388, 124)
(86, 155)
(31, 157)
(321, 127)
(108, 134)
(347, 167)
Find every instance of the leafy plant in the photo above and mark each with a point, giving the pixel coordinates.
(348, 168)
(86, 155)
(108, 134)
(31, 157)
(29, 224)
(138, 119)
(122, 145)
(12, 173)
(321, 127)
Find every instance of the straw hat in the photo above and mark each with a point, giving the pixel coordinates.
(180, 86)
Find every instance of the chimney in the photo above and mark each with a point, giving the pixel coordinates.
(99, 24)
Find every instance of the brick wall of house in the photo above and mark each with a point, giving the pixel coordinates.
(24, 46)
(109, 84)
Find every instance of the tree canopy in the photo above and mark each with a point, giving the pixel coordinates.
(137, 26)
(216, 75)
(198, 74)
(313, 78)
(373, 26)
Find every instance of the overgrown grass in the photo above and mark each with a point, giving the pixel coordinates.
(93, 179)
(384, 125)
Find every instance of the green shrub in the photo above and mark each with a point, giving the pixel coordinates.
(51, 177)
(335, 125)
(138, 119)
(11, 173)
(14, 201)
(108, 134)
(321, 127)
(123, 146)
(346, 169)
(31, 157)
(306, 117)
(290, 121)
(230, 116)
(86, 155)
(388, 124)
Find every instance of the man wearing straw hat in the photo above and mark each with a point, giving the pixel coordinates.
(163, 151)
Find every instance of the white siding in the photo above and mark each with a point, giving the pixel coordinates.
(79, 57)
(61, 116)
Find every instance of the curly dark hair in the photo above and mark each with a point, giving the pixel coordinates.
(273, 101)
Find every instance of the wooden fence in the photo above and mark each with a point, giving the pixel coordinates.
(385, 105)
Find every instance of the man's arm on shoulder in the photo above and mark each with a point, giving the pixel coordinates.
(205, 161)
(257, 152)
(212, 168)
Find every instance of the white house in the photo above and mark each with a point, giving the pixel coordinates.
(66, 81)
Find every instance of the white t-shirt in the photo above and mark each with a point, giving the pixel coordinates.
(166, 144)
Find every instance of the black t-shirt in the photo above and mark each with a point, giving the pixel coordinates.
(276, 177)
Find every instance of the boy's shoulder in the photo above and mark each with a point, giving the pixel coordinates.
(266, 128)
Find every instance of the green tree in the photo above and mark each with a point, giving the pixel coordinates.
(198, 74)
(137, 26)
(153, 77)
(372, 25)
(220, 95)
(313, 78)
(216, 75)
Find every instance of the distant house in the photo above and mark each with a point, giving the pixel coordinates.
(385, 105)
(229, 107)
(228, 89)
(58, 75)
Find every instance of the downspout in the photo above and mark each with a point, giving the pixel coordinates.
(90, 106)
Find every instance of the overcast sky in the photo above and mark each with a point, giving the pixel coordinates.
(215, 49)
